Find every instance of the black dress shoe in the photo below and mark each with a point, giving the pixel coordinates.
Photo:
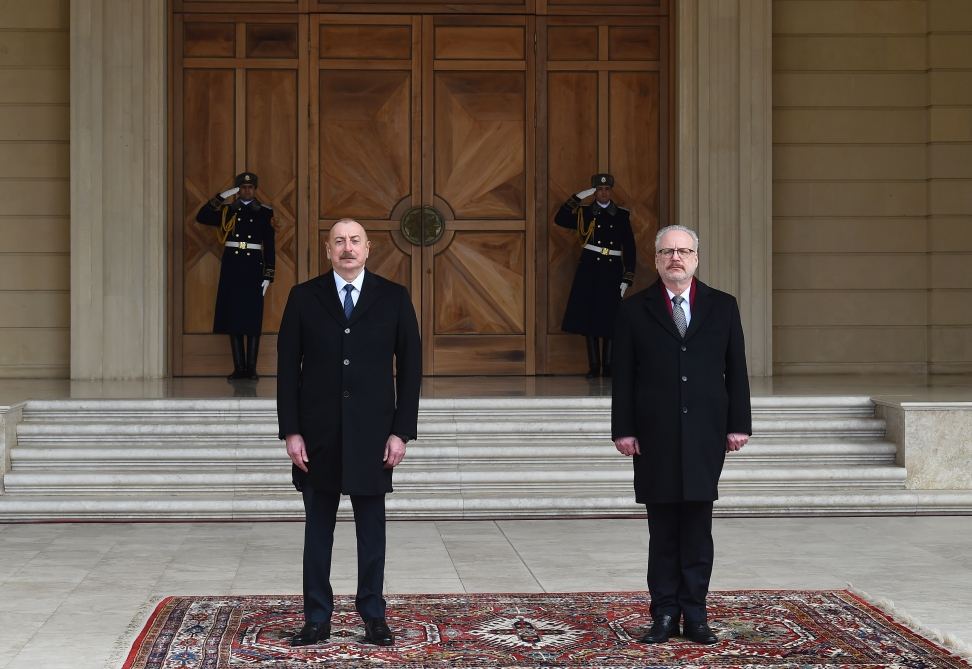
(377, 632)
(699, 633)
(311, 633)
(661, 630)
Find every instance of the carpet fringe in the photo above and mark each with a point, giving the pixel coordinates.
(119, 652)
(949, 641)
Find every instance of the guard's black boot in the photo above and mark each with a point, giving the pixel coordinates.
(239, 362)
(593, 358)
(606, 357)
(252, 350)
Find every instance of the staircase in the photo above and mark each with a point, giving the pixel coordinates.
(534, 457)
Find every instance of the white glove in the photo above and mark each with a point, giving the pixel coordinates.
(266, 284)
(624, 287)
(227, 193)
(585, 193)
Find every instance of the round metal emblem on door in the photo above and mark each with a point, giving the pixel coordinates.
(422, 226)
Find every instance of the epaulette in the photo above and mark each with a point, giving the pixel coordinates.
(264, 204)
(624, 209)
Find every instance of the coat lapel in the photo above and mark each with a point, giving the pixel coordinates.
(655, 303)
(326, 293)
(370, 292)
(700, 309)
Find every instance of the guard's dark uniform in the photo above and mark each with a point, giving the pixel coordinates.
(596, 291)
(239, 298)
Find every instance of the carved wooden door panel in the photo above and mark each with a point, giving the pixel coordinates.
(365, 137)
(239, 97)
(478, 110)
(431, 112)
(373, 116)
(604, 95)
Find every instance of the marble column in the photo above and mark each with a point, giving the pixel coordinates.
(724, 160)
(118, 83)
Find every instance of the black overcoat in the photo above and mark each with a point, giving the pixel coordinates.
(335, 385)
(679, 397)
(239, 296)
(596, 290)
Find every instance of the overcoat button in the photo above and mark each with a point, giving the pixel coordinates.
(346, 394)
(347, 362)
(684, 409)
(684, 348)
(684, 378)
(347, 330)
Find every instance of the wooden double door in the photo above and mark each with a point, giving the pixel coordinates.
(452, 139)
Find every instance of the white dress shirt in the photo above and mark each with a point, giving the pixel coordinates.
(686, 303)
(355, 283)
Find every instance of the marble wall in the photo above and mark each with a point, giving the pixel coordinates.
(872, 213)
(34, 188)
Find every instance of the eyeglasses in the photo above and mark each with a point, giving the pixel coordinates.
(668, 253)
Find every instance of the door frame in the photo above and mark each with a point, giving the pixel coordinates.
(308, 249)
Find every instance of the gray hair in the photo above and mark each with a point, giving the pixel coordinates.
(677, 228)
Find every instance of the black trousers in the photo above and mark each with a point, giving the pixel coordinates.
(320, 509)
(680, 554)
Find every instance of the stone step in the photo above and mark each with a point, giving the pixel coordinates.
(89, 456)
(476, 458)
(288, 506)
(528, 482)
(229, 410)
(430, 431)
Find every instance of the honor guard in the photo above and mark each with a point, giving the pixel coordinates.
(244, 228)
(605, 268)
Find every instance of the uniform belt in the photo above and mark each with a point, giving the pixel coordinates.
(602, 250)
(244, 245)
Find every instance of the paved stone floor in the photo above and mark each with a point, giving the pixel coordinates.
(69, 592)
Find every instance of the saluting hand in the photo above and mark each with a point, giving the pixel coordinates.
(735, 441)
(627, 445)
(394, 451)
(297, 451)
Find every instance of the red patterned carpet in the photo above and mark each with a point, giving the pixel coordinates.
(779, 628)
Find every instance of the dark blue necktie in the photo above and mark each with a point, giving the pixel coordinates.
(348, 302)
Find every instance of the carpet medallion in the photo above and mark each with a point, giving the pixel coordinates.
(761, 628)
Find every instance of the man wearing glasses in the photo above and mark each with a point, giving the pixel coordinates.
(680, 403)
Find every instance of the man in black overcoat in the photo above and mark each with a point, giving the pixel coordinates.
(346, 418)
(605, 268)
(244, 228)
(680, 403)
